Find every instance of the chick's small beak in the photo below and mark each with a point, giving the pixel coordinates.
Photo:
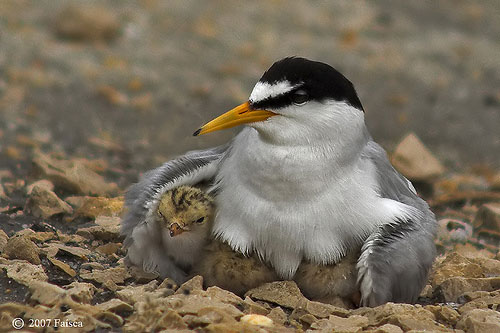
(175, 229)
(242, 114)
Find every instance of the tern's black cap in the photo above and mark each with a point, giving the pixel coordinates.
(321, 81)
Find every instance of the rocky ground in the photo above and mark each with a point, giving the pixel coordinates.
(61, 258)
(93, 94)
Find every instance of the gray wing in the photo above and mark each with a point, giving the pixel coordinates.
(189, 169)
(143, 238)
(396, 259)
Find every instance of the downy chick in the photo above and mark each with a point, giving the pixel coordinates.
(185, 216)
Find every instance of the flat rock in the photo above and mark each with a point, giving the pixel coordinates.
(107, 229)
(194, 284)
(454, 287)
(81, 292)
(93, 207)
(43, 183)
(21, 247)
(23, 272)
(480, 320)
(78, 252)
(488, 217)
(44, 203)
(3, 240)
(387, 328)
(87, 23)
(338, 324)
(46, 293)
(109, 248)
(115, 275)
(455, 265)
(63, 267)
(415, 161)
(73, 176)
(283, 293)
(140, 293)
(115, 305)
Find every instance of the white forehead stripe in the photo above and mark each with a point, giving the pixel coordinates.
(264, 90)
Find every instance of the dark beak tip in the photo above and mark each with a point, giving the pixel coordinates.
(197, 132)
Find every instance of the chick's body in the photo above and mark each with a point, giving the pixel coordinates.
(185, 217)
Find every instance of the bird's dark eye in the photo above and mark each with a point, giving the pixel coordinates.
(300, 97)
(200, 220)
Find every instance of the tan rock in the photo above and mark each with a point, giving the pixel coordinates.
(109, 248)
(455, 265)
(23, 272)
(387, 328)
(78, 252)
(278, 316)
(141, 293)
(94, 207)
(141, 276)
(87, 23)
(322, 310)
(196, 283)
(192, 304)
(335, 324)
(45, 203)
(3, 240)
(480, 321)
(255, 319)
(63, 266)
(115, 305)
(43, 183)
(488, 217)
(444, 314)
(107, 229)
(116, 275)
(46, 293)
(283, 293)
(415, 161)
(21, 247)
(72, 176)
(480, 300)
(454, 287)
(249, 306)
(406, 316)
(81, 292)
(172, 321)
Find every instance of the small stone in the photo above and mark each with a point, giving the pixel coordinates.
(94, 207)
(351, 324)
(455, 265)
(3, 240)
(140, 293)
(116, 275)
(480, 320)
(415, 161)
(444, 314)
(322, 310)
(453, 230)
(23, 272)
(115, 305)
(46, 293)
(172, 321)
(196, 283)
(44, 203)
(107, 229)
(87, 23)
(142, 277)
(109, 248)
(278, 316)
(63, 267)
(255, 319)
(79, 252)
(387, 328)
(454, 287)
(488, 217)
(43, 183)
(283, 293)
(81, 292)
(73, 176)
(21, 247)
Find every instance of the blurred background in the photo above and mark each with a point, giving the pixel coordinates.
(130, 81)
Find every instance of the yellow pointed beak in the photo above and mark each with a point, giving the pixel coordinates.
(242, 114)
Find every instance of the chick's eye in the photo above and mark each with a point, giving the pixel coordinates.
(200, 220)
(300, 97)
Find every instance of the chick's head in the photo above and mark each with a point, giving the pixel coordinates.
(185, 209)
